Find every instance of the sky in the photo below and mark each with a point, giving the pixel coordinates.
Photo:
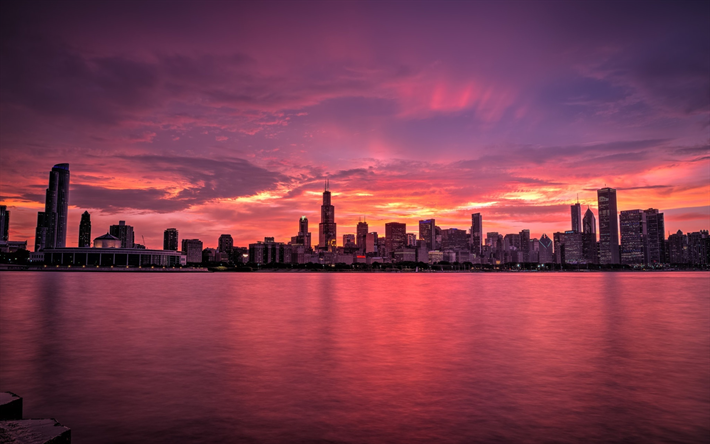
(227, 117)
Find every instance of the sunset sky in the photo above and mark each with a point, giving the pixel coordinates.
(221, 117)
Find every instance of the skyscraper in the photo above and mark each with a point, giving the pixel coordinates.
(395, 236)
(476, 233)
(545, 250)
(4, 223)
(525, 244)
(85, 230)
(576, 217)
(589, 237)
(52, 233)
(655, 237)
(123, 232)
(633, 237)
(427, 233)
(170, 239)
(193, 250)
(327, 233)
(608, 226)
(303, 237)
(361, 234)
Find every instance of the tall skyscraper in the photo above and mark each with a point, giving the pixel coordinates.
(361, 235)
(52, 222)
(123, 232)
(85, 230)
(633, 237)
(327, 233)
(608, 226)
(225, 244)
(476, 233)
(170, 239)
(4, 223)
(525, 244)
(589, 237)
(655, 237)
(576, 217)
(303, 237)
(395, 236)
(427, 233)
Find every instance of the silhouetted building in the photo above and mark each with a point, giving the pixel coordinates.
(85, 230)
(589, 238)
(655, 237)
(395, 236)
(633, 237)
(525, 245)
(170, 239)
(123, 232)
(362, 230)
(304, 237)
(698, 248)
(225, 244)
(348, 239)
(371, 243)
(192, 249)
(476, 233)
(427, 233)
(411, 240)
(678, 248)
(608, 226)
(569, 248)
(4, 223)
(53, 231)
(455, 239)
(576, 217)
(269, 252)
(327, 238)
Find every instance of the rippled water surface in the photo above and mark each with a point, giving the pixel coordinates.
(296, 357)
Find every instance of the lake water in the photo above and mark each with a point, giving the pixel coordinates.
(350, 358)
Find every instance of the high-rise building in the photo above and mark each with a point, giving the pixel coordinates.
(589, 237)
(455, 239)
(192, 248)
(225, 244)
(123, 232)
(395, 236)
(348, 239)
(576, 217)
(678, 248)
(608, 226)
(371, 242)
(655, 237)
(545, 250)
(53, 231)
(170, 239)
(303, 237)
(476, 233)
(525, 244)
(361, 234)
(85, 230)
(427, 233)
(4, 223)
(633, 237)
(327, 233)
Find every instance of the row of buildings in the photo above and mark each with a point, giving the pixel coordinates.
(630, 237)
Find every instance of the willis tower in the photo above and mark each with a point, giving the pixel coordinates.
(327, 231)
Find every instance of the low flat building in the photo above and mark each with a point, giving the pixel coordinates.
(109, 257)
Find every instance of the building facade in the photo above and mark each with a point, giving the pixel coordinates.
(608, 227)
(427, 233)
(589, 238)
(123, 232)
(51, 229)
(633, 237)
(192, 249)
(476, 233)
(170, 239)
(85, 230)
(395, 236)
(4, 223)
(655, 237)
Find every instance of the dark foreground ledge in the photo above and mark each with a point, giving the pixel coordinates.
(14, 429)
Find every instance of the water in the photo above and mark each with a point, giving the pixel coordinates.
(295, 357)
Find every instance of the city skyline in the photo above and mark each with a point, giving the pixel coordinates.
(415, 113)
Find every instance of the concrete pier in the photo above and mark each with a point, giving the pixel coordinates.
(14, 429)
